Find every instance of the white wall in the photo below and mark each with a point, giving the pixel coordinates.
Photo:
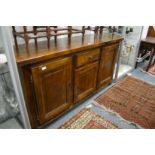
(145, 30)
(1, 45)
(132, 39)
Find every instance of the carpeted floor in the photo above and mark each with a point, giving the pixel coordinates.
(87, 119)
(132, 99)
(115, 119)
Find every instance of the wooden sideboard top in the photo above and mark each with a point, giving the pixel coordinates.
(63, 47)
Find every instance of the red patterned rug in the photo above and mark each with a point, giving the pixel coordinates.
(132, 99)
(86, 119)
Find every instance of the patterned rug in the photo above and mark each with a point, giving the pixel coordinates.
(86, 119)
(132, 99)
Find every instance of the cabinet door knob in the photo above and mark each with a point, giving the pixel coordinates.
(43, 68)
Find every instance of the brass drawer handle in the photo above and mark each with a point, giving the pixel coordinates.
(42, 68)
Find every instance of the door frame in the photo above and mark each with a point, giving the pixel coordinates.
(116, 78)
(9, 51)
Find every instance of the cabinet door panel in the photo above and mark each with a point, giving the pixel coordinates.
(53, 88)
(107, 63)
(85, 81)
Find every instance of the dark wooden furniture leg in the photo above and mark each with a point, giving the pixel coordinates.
(96, 29)
(48, 36)
(139, 52)
(55, 37)
(83, 31)
(15, 38)
(69, 32)
(35, 39)
(26, 38)
(101, 29)
(151, 58)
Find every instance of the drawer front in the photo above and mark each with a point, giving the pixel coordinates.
(87, 57)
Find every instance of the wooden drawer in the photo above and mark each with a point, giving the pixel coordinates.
(87, 57)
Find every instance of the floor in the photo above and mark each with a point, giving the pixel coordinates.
(123, 69)
(11, 123)
(10, 117)
(107, 115)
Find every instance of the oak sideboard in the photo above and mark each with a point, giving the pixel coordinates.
(57, 79)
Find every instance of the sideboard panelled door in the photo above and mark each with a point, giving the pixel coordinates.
(85, 81)
(53, 88)
(107, 64)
